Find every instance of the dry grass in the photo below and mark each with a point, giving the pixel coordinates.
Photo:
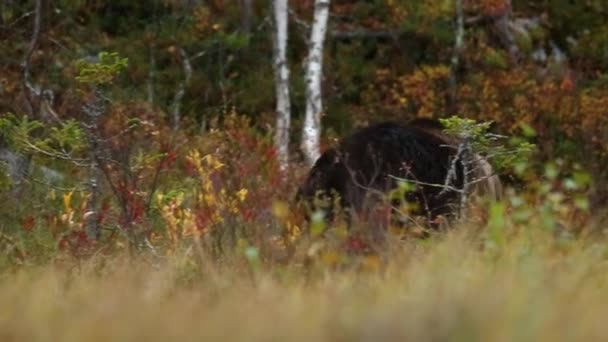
(533, 288)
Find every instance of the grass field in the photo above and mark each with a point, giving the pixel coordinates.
(532, 286)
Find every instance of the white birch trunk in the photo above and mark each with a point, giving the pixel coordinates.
(456, 53)
(181, 89)
(311, 132)
(281, 74)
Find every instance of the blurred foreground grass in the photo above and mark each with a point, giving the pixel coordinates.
(534, 287)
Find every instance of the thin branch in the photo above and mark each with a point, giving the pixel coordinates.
(121, 133)
(17, 20)
(371, 180)
(303, 26)
(62, 156)
(303, 23)
(437, 185)
(53, 186)
(474, 20)
(151, 74)
(466, 163)
(365, 34)
(451, 174)
(198, 55)
(154, 184)
(28, 88)
(266, 21)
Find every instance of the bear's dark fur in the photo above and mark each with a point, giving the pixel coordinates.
(365, 163)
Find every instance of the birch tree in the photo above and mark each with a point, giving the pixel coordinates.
(281, 73)
(311, 132)
(456, 55)
(181, 89)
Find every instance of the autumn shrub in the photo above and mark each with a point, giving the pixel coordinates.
(235, 183)
(223, 195)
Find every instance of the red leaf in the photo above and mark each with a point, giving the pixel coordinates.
(28, 223)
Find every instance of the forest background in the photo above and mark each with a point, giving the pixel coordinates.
(148, 128)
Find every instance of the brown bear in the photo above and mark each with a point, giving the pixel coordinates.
(364, 167)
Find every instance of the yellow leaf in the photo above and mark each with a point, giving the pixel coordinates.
(242, 194)
(280, 209)
(67, 201)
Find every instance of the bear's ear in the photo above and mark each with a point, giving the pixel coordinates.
(333, 154)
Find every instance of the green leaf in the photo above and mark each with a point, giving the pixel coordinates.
(581, 202)
(497, 225)
(551, 171)
(108, 66)
(317, 225)
(527, 130)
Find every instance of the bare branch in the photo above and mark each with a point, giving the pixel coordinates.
(365, 34)
(56, 187)
(151, 74)
(18, 19)
(436, 185)
(246, 16)
(181, 88)
(28, 88)
(198, 55)
(148, 203)
(54, 155)
(302, 25)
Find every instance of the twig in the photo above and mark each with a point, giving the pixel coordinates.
(151, 74)
(451, 174)
(198, 55)
(64, 156)
(21, 17)
(121, 133)
(437, 185)
(154, 184)
(28, 88)
(56, 187)
(304, 27)
(365, 34)
(466, 163)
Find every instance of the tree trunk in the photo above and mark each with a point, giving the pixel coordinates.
(151, 73)
(93, 111)
(31, 91)
(281, 72)
(311, 133)
(246, 16)
(181, 89)
(455, 62)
